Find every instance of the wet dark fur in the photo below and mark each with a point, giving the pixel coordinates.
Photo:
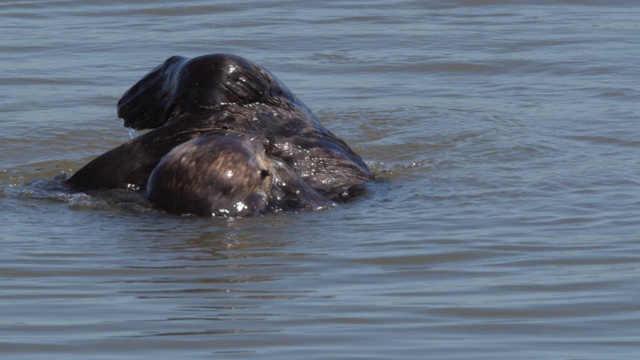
(221, 174)
(184, 99)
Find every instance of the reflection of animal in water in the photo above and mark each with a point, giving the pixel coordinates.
(228, 139)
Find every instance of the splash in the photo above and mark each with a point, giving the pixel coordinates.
(133, 133)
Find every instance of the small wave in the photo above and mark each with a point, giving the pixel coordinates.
(56, 190)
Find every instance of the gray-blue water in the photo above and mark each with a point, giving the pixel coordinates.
(505, 224)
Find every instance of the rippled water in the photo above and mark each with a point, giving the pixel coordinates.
(504, 224)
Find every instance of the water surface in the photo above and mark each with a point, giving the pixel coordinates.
(504, 224)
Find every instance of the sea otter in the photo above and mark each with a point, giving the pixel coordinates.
(218, 113)
(220, 174)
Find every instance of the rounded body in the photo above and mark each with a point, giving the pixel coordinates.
(219, 175)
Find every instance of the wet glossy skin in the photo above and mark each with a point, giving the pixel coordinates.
(220, 175)
(218, 94)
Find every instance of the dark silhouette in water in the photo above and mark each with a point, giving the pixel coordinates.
(215, 174)
(218, 114)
